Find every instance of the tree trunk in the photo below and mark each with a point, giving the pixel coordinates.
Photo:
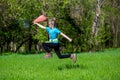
(36, 45)
(95, 27)
(12, 46)
(21, 44)
(30, 44)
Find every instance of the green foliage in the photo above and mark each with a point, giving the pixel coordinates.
(74, 18)
(41, 35)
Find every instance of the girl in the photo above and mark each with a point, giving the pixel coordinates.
(53, 41)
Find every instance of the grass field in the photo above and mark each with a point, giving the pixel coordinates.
(104, 65)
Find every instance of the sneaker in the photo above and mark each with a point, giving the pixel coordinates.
(73, 57)
(48, 55)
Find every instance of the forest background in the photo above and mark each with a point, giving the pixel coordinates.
(92, 24)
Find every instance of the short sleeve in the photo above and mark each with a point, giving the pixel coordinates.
(58, 31)
(47, 29)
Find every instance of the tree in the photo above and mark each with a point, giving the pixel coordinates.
(92, 24)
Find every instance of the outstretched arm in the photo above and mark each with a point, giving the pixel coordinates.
(41, 26)
(65, 36)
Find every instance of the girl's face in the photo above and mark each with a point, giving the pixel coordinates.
(51, 24)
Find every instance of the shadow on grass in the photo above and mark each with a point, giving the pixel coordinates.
(71, 66)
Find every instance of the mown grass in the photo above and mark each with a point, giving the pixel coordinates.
(103, 65)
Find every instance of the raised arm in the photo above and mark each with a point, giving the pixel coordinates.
(65, 36)
(41, 26)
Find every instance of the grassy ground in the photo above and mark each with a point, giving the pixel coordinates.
(103, 65)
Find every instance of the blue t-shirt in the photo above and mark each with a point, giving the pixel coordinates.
(53, 32)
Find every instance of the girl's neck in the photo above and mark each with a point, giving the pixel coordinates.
(51, 27)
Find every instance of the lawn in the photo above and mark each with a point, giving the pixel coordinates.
(104, 65)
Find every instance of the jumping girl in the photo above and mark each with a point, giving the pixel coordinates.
(53, 41)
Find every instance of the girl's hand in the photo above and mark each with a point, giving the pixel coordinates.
(70, 40)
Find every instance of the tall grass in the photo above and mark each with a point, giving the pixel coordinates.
(103, 65)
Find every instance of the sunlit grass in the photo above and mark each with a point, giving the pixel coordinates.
(103, 65)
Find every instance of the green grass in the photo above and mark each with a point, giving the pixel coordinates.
(103, 65)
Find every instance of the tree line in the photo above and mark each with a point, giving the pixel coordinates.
(92, 24)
